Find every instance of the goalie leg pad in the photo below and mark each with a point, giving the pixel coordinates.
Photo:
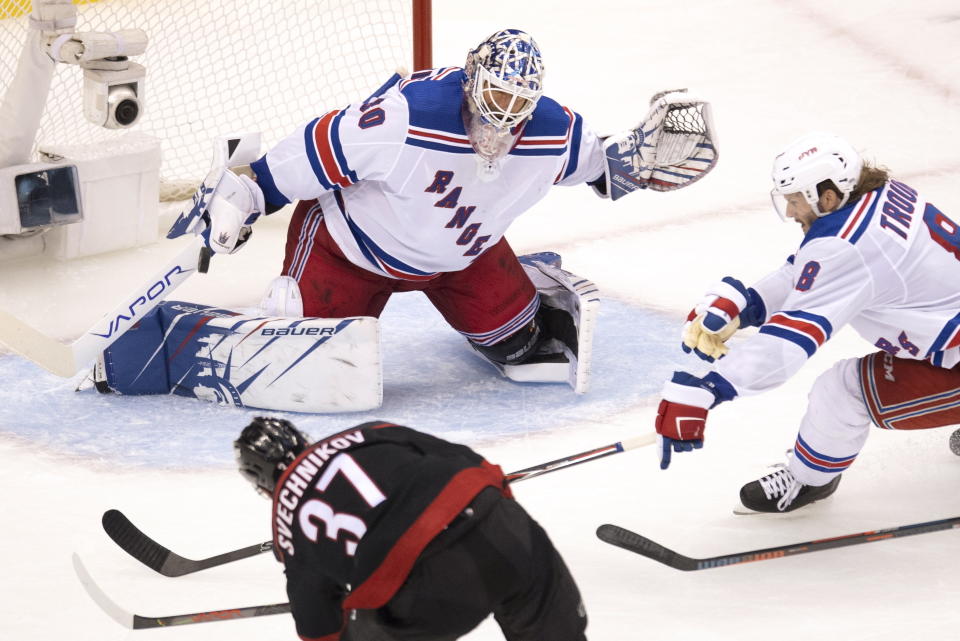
(286, 364)
(568, 310)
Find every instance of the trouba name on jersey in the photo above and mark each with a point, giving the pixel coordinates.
(298, 481)
(298, 331)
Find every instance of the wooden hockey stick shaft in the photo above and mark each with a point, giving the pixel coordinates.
(67, 359)
(582, 457)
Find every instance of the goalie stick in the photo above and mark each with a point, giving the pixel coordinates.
(67, 360)
(624, 538)
(168, 563)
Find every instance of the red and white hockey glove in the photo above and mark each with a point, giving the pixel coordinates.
(682, 415)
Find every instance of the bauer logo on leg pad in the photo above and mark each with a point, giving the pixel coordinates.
(291, 364)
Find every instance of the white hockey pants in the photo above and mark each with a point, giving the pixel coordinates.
(835, 427)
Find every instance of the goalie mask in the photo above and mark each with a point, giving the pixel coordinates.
(809, 161)
(266, 447)
(504, 82)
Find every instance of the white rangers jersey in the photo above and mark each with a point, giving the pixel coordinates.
(888, 264)
(398, 180)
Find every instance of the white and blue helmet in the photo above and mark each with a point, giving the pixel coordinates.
(810, 160)
(505, 78)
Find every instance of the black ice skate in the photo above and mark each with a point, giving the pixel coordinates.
(781, 492)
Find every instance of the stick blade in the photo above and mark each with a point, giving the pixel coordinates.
(639, 544)
(49, 353)
(138, 545)
(112, 610)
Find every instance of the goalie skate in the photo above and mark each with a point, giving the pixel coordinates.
(569, 308)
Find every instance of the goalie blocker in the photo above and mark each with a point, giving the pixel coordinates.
(284, 364)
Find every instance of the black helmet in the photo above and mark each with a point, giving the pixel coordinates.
(264, 450)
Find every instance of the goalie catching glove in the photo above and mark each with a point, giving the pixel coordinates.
(672, 147)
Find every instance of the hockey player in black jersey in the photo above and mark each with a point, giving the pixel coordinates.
(387, 533)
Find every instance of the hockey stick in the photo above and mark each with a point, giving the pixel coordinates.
(639, 544)
(137, 622)
(160, 559)
(582, 457)
(68, 359)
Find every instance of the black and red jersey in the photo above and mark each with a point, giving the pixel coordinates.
(353, 513)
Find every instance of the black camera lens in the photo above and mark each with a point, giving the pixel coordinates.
(127, 112)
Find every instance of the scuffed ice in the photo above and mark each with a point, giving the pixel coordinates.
(432, 380)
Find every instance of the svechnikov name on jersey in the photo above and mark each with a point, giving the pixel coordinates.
(297, 479)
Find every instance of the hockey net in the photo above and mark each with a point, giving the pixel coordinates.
(224, 66)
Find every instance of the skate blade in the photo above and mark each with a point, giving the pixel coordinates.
(742, 510)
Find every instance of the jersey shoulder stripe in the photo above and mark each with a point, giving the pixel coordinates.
(860, 217)
(807, 331)
(549, 120)
(322, 142)
(547, 132)
(434, 100)
(574, 134)
(848, 223)
(428, 74)
(438, 140)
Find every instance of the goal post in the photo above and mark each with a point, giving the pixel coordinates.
(221, 66)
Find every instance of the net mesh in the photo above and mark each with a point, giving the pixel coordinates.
(685, 119)
(224, 66)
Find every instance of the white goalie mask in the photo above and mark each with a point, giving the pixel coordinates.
(810, 160)
(504, 82)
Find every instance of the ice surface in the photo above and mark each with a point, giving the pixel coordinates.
(884, 74)
(432, 379)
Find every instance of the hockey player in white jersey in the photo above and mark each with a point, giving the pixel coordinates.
(414, 188)
(876, 255)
